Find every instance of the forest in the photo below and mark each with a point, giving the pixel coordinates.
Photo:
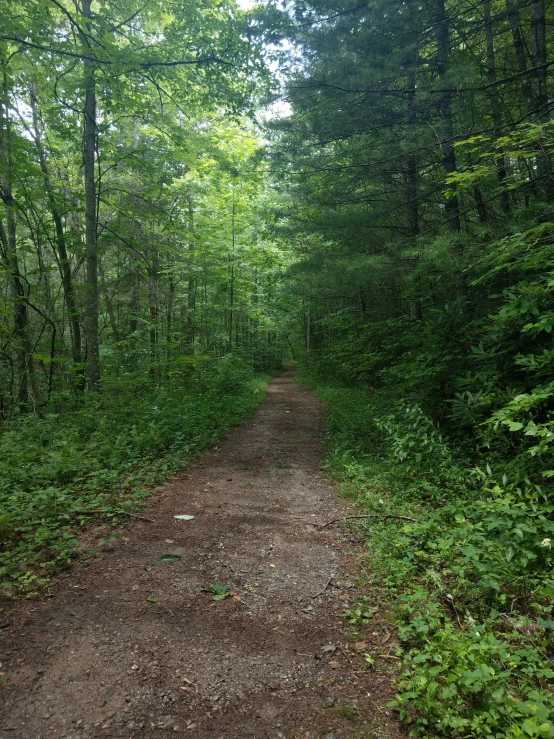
(193, 193)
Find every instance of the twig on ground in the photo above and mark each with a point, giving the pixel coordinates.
(450, 598)
(329, 581)
(116, 511)
(347, 657)
(515, 626)
(374, 515)
(134, 515)
(300, 518)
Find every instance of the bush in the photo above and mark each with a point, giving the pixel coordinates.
(472, 575)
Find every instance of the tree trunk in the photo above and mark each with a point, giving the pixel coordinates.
(539, 83)
(169, 322)
(412, 169)
(8, 241)
(232, 282)
(134, 306)
(495, 107)
(308, 335)
(521, 58)
(538, 57)
(153, 311)
(108, 302)
(442, 33)
(191, 288)
(534, 84)
(90, 141)
(481, 204)
(63, 258)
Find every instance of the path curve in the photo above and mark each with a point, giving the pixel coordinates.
(131, 649)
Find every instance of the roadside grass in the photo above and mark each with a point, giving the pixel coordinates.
(100, 461)
(470, 578)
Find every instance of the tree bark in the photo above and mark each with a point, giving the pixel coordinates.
(169, 321)
(539, 83)
(521, 57)
(90, 142)
(63, 258)
(442, 33)
(534, 83)
(412, 169)
(495, 107)
(232, 277)
(134, 304)
(480, 203)
(538, 57)
(191, 288)
(108, 302)
(153, 312)
(8, 242)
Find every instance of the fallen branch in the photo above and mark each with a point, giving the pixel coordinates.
(374, 515)
(329, 581)
(346, 656)
(96, 511)
(450, 598)
(134, 515)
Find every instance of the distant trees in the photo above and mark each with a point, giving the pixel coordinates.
(374, 151)
(120, 149)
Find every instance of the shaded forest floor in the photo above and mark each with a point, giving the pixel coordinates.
(130, 647)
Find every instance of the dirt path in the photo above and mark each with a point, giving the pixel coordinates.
(129, 648)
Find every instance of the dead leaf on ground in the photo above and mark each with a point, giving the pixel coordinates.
(108, 694)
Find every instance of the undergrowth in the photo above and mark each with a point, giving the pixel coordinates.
(101, 460)
(471, 576)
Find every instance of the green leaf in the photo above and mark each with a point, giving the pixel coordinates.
(168, 558)
(219, 592)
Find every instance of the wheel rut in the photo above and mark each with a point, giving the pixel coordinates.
(131, 648)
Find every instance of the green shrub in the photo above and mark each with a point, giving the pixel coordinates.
(472, 575)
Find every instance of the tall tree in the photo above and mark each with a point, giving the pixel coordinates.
(91, 226)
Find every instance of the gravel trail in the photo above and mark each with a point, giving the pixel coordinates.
(131, 648)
